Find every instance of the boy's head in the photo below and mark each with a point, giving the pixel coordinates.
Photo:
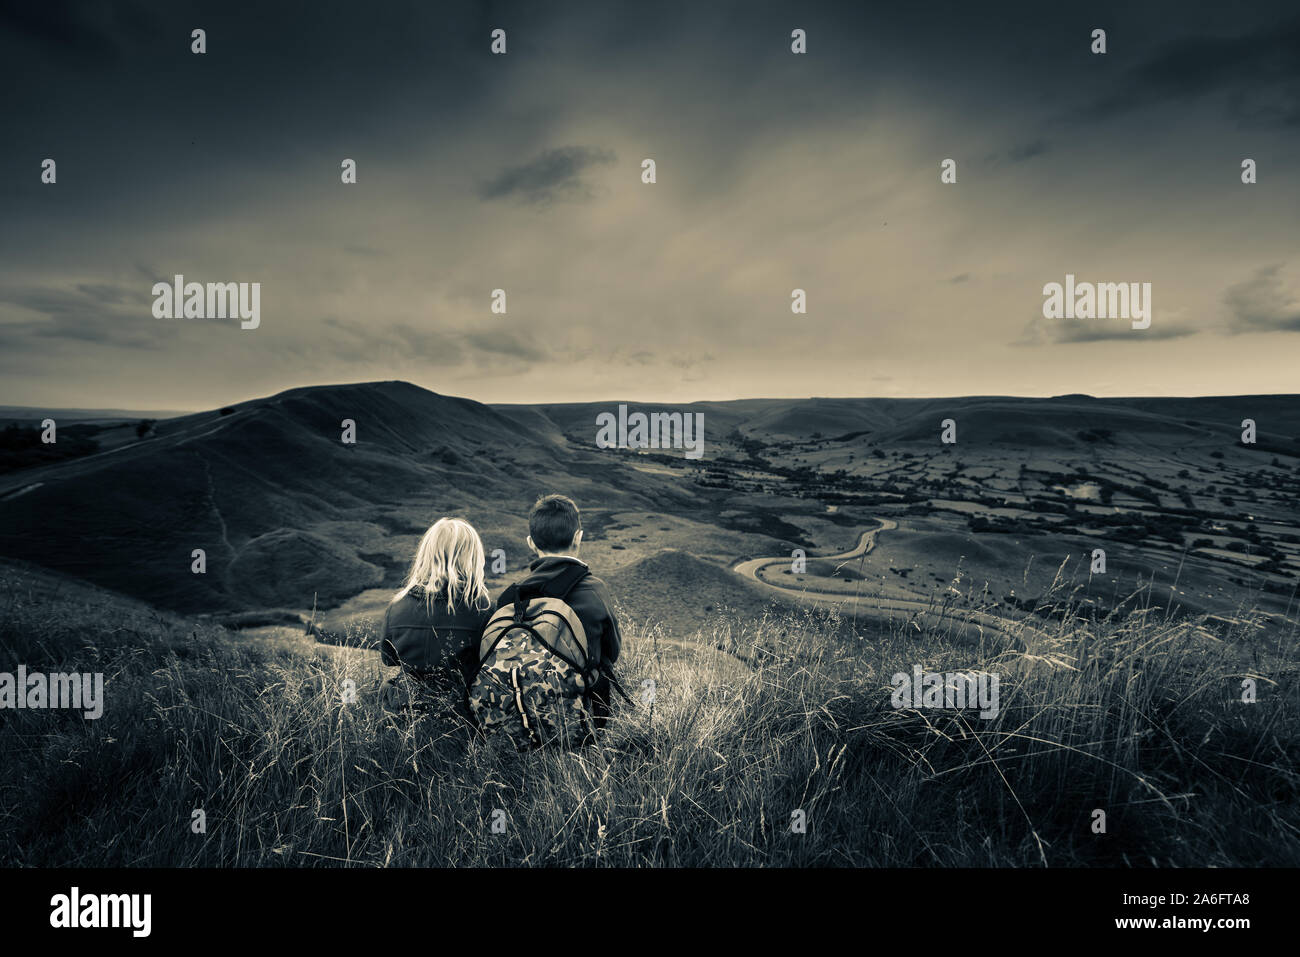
(554, 527)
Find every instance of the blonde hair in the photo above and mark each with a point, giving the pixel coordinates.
(450, 556)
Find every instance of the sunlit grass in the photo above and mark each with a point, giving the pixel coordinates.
(1138, 716)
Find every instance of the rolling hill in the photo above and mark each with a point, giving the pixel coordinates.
(683, 590)
(289, 516)
(272, 495)
(988, 420)
(1079, 421)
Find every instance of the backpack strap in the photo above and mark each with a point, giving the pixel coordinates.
(559, 587)
(614, 682)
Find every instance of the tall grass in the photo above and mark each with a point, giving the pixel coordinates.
(1136, 715)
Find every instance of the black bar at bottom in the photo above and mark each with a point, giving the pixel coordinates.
(335, 907)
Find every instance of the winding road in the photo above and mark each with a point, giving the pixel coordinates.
(919, 610)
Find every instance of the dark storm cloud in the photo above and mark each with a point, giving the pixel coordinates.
(414, 343)
(555, 174)
(1027, 151)
(1101, 330)
(644, 357)
(688, 362)
(1017, 153)
(106, 293)
(357, 340)
(79, 33)
(90, 313)
(1263, 303)
(1043, 331)
(506, 344)
(143, 129)
(1258, 72)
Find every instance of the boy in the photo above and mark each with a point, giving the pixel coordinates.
(555, 535)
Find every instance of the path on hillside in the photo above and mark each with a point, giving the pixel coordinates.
(11, 485)
(876, 606)
(866, 542)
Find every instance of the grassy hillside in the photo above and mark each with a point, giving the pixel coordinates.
(287, 514)
(248, 479)
(1061, 424)
(998, 420)
(1139, 717)
(682, 591)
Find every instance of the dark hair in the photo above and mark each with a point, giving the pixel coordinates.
(553, 522)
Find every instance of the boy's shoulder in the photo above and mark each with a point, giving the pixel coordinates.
(591, 578)
(591, 581)
(592, 589)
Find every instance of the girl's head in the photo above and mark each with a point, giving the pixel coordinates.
(449, 560)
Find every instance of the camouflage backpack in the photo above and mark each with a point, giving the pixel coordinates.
(535, 673)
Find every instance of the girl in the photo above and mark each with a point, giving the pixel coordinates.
(433, 624)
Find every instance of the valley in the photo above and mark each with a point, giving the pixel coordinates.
(297, 526)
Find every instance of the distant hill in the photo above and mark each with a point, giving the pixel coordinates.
(1050, 424)
(577, 420)
(999, 420)
(1080, 421)
(256, 485)
(287, 514)
(23, 413)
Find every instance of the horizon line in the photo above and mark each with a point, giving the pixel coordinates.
(627, 401)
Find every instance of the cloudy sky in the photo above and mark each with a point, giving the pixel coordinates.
(523, 172)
